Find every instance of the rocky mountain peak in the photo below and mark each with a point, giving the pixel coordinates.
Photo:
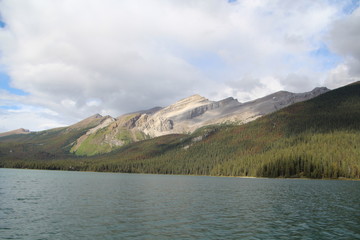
(320, 90)
(97, 115)
(23, 130)
(184, 105)
(192, 99)
(91, 121)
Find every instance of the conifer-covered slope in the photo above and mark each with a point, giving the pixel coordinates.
(319, 138)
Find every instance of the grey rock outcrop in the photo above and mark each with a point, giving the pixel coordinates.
(196, 111)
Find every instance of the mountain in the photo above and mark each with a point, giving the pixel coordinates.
(13, 132)
(318, 138)
(48, 144)
(184, 116)
(110, 134)
(103, 134)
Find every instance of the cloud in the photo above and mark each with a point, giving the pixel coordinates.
(340, 76)
(77, 58)
(248, 88)
(34, 118)
(344, 39)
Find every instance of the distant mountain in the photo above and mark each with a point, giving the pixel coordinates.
(318, 138)
(48, 144)
(17, 131)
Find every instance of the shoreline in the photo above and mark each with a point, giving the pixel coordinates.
(194, 175)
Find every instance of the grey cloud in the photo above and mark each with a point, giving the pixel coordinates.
(344, 39)
(244, 84)
(345, 35)
(298, 82)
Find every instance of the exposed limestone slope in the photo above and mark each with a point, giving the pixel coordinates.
(194, 112)
(184, 116)
(252, 110)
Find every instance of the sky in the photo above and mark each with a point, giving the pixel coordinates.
(64, 60)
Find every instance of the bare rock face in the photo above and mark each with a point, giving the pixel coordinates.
(171, 119)
(196, 111)
(279, 100)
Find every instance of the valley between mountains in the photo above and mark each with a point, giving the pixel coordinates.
(313, 134)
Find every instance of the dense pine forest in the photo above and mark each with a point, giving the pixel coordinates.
(319, 138)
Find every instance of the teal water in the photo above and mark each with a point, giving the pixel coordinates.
(36, 204)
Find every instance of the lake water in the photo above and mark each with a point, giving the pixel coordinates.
(37, 204)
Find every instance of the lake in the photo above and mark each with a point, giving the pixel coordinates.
(36, 204)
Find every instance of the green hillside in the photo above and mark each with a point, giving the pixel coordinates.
(109, 138)
(319, 138)
(49, 144)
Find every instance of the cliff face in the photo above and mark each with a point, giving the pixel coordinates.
(191, 113)
(185, 115)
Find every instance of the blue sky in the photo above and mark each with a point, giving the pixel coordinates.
(5, 85)
(58, 66)
(328, 60)
(351, 6)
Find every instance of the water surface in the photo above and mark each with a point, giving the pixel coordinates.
(36, 204)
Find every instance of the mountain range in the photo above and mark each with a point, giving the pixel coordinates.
(314, 134)
(106, 133)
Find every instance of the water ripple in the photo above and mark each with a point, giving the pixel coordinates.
(75, 205)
